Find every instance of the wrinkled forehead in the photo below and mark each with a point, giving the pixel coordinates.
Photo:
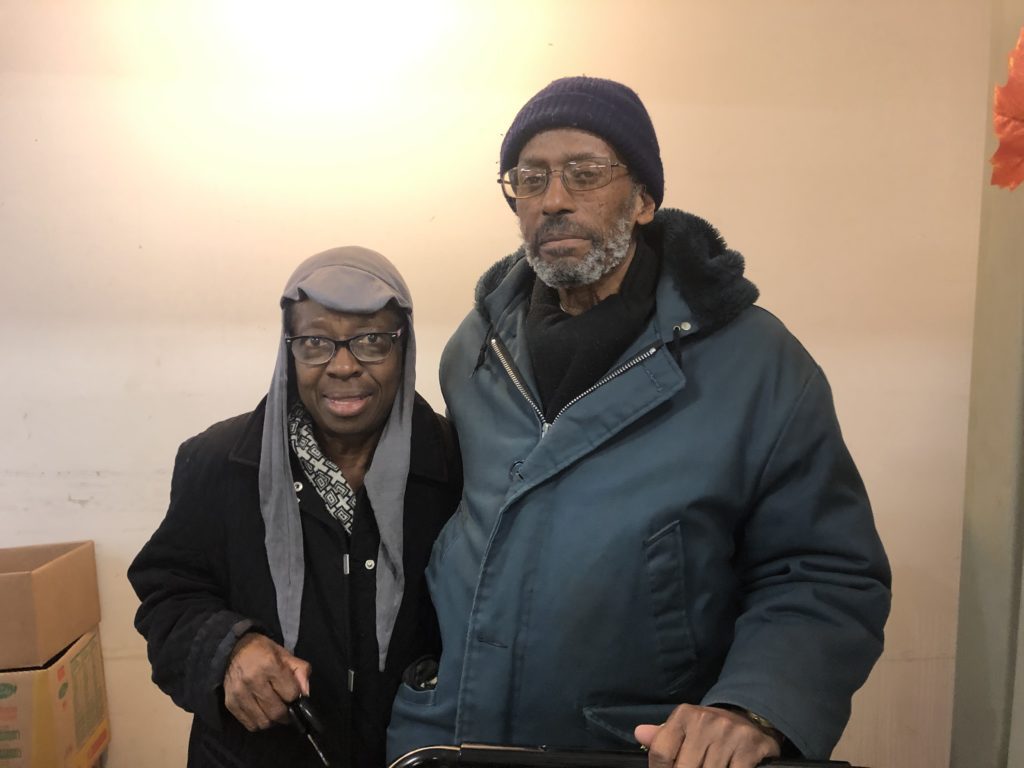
(307, 311)
(561, 145)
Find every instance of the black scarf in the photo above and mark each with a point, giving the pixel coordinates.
(570, 353)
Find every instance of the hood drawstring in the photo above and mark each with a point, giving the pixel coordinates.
(677, 351)
(483, 350)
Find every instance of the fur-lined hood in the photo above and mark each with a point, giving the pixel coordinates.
(707, 274)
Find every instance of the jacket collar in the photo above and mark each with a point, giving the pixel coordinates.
(427, 458)
(706, 289)
(247, 449)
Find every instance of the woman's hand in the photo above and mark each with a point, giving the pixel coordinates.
(261, 680)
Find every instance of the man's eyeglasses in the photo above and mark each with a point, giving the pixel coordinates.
(577, 176)
(365, 347)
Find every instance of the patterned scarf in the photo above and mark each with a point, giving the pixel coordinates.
(323, 473)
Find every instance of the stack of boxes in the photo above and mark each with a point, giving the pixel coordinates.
(53, 705)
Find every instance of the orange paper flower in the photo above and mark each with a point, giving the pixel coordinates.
(1008, 120)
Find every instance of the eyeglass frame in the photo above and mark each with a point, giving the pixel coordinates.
(345, 344)
(611, 164)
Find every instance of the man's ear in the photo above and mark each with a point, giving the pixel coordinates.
(645, 202)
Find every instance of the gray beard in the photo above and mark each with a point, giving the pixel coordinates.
(603, 257)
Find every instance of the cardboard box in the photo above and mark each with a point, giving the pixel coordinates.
(56, 717)
(48, 599)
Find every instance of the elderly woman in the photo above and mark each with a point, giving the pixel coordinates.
(290, 562)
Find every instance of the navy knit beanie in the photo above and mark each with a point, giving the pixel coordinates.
(602, 107)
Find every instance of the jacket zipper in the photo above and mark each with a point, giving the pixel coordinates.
(609, 376)
(513, 374)
(502, 353)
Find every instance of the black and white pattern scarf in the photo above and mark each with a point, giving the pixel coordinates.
(323, 473)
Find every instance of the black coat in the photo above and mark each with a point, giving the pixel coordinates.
(204, 580)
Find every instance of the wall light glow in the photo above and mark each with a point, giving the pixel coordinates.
(232, 94)
(317, 49)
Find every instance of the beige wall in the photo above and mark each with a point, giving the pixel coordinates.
(163, 166)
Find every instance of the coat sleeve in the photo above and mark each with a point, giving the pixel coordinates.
(814, 580)
(184, 617)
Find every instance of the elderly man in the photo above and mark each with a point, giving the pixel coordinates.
(662, 537)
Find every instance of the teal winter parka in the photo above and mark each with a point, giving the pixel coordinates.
(691, 529)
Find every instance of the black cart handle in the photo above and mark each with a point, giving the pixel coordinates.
(495, 756)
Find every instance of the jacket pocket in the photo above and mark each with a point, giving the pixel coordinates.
(667, 580)
(413, 697)
(618, 721)
(416, 722)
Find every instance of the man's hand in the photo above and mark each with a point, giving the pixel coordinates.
(706, 737)
(261, 680)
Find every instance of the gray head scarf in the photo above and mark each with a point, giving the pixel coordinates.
(357, 280)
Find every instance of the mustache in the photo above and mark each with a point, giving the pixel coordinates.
(558, 228)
